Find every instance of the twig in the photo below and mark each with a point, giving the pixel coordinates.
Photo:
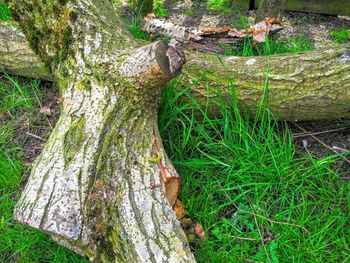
(39, 102)
(262, 217)
(261, 237)
(321, 142)
(245, 238)
(303, 134)
(36, 136)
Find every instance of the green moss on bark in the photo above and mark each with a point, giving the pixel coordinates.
(74, 139)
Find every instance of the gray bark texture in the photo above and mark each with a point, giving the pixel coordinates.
(103, 185)
(270, 8)
(302, 86)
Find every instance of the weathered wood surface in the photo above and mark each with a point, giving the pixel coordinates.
(270, 8)
(15, 55)
(103, 185)
(332, 7)
(209, 36)
(304, 86)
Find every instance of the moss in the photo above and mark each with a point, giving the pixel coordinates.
(73, 15)
(74, 140)
(63, 2)
(33, 42)
(65, 42)
(66, 38)
(84, 84)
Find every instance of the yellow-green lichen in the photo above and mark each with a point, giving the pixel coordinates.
(74, 139)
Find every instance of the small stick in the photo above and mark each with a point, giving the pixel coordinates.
(245, 238)
(321, 142)
(261, 237)
(303, 134)
(262, 217)
(36, 136)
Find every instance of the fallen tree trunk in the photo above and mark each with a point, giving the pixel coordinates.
(103, 185)
(16, 57)
(302, 86)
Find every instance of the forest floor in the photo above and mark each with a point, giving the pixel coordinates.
(263, 190)
(316, 28)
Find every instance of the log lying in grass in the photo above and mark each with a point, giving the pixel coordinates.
(103, 185)
(15, 55)
(302, 86)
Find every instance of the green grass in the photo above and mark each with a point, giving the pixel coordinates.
(241, 179)
(4, 12)
(226, 6)
(159, 9)
(240, 176)
(341, 35)
(19, 105)
(273, 46)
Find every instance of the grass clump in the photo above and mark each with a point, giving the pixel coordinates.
(159, 9)
(19, 106)
(341, 35)
(272, 46)
(244, 182)
(4, 12)
(226, 6)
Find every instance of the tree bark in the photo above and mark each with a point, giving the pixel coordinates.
(270, 8)
(16, 57)
(303, 86)
(103, 185)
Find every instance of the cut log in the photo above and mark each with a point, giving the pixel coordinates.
(303, 86)
(16, 57)
(269, 8)
(103, 185)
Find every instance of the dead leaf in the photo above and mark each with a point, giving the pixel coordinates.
(260, 37)
(186, 222)
(199, 231)
(59, 101)
(217, 30)
(273, 21)
(46, 110)
(151, 16)
(179, 209)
